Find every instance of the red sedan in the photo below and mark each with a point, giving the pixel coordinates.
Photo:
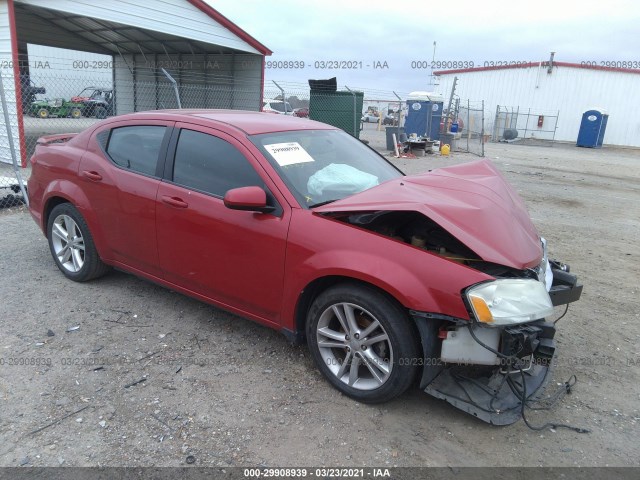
(439, 277)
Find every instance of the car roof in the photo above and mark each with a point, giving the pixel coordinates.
(252, 123)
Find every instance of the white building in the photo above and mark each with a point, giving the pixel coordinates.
(567, 88)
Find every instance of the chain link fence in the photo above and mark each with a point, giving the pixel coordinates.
(382, 113)
(525, 126)
(12, 186)
(322, 100)
(67, 95)
(470, 137)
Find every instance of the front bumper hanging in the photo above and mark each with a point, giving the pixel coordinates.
(565, 287)
(493, 393)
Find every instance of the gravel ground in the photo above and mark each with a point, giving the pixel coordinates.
(121, 372)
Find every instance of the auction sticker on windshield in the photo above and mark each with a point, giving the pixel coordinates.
(288, 153)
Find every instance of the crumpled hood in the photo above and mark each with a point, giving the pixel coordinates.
(472, 201)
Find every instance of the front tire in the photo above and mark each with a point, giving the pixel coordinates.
(362, 342)
(72, 246)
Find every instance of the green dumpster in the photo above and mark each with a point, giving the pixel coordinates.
(341, 109)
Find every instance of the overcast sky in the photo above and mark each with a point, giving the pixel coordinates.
(400, 32)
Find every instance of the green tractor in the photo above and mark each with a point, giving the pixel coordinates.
(58, 107)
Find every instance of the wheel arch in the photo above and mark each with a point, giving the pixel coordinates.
(51, 203)
(57, 196)
(321, 284)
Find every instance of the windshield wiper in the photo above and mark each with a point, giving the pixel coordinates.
(319, 204)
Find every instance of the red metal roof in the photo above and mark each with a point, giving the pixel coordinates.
(536, 65)
(228, 24)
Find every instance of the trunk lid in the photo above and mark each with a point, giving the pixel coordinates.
(57, 138)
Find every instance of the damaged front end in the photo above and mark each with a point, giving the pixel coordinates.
(497, 360)
(492, 390)
(504, 356)
(491, 370)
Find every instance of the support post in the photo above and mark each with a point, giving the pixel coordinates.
(12, 148)
(284, 98)
(175, 86)
(355, 104)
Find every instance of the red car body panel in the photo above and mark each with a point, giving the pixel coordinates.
(254, 124)
(472, 201)
(235, 257)
(407, 273)
(257, 265)
(122, 202)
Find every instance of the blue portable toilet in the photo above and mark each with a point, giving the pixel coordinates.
(592, 127)
(424, 114)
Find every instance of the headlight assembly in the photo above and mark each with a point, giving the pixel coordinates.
(509, 301)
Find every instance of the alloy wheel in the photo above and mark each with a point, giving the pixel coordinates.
(354, 346)
(68, 243)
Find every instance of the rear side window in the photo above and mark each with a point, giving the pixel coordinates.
(212, 165)
(136, 148)
(277, 106)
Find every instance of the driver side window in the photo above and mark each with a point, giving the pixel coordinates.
(211, 165)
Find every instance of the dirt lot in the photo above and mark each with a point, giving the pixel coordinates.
(229, 392)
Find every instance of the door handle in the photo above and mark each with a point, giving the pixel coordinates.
(95, 176)
(174, 201)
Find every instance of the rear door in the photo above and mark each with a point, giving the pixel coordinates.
(233, 257)
(121, 171)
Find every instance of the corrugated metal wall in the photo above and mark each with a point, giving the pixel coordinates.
(6, 70)
(59, 77)
(205, 81)
(569, 90)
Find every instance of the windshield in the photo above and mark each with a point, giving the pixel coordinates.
(320, 166)
(87, 92)
(280, 107)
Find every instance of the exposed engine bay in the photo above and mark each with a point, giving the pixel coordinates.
(416, 229)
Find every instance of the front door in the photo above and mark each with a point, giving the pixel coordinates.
(235, 258)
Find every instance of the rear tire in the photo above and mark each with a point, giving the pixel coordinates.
(101, 113)
(43, 113)
(72, 246)
(363, 342)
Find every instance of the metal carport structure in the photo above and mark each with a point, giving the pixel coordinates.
(215, 63)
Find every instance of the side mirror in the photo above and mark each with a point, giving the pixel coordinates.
(252, 199)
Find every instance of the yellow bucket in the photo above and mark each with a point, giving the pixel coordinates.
(445, 149)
